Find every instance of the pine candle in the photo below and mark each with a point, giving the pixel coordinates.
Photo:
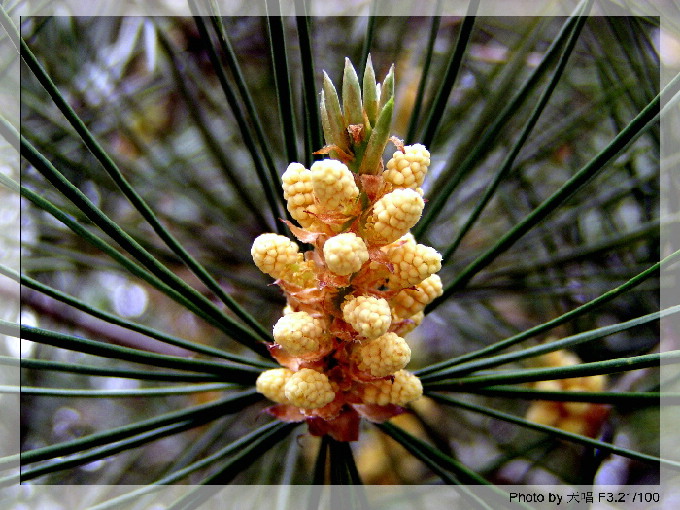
(367, 281)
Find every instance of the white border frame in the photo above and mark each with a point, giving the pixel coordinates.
(244, 497)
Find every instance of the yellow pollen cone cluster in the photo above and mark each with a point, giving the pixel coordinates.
(368, 315)
(394, 215)
(271, 384)
(309, 389)
(583, 418)
(275, 255)
(345, 253)
(407, 169)
(383, 356)
(401, 389)
(412, 263)
(333, 184)
(299, 194)
(366, 281)
(300, 333)
(409, 302)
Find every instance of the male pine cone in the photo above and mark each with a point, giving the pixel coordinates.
(367, 282)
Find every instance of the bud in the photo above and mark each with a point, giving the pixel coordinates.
(406, 388)
(403, 388)
(412, 263)
(407, 169)
(406, 238)
(299, 333)
(544, 412)
(414, 322)
(370, 92)
(271, 384)
(394, 215)
(369, 316)
(409, 302)
(575, 425)
(371, 162)
(345, 342)
(351, 95)
(309, 389)
(337, 135)
(333, 185)
(299, 194)
(275, 255)
(345, 253)
(383, 356)
(387, 88)
(582, 418)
